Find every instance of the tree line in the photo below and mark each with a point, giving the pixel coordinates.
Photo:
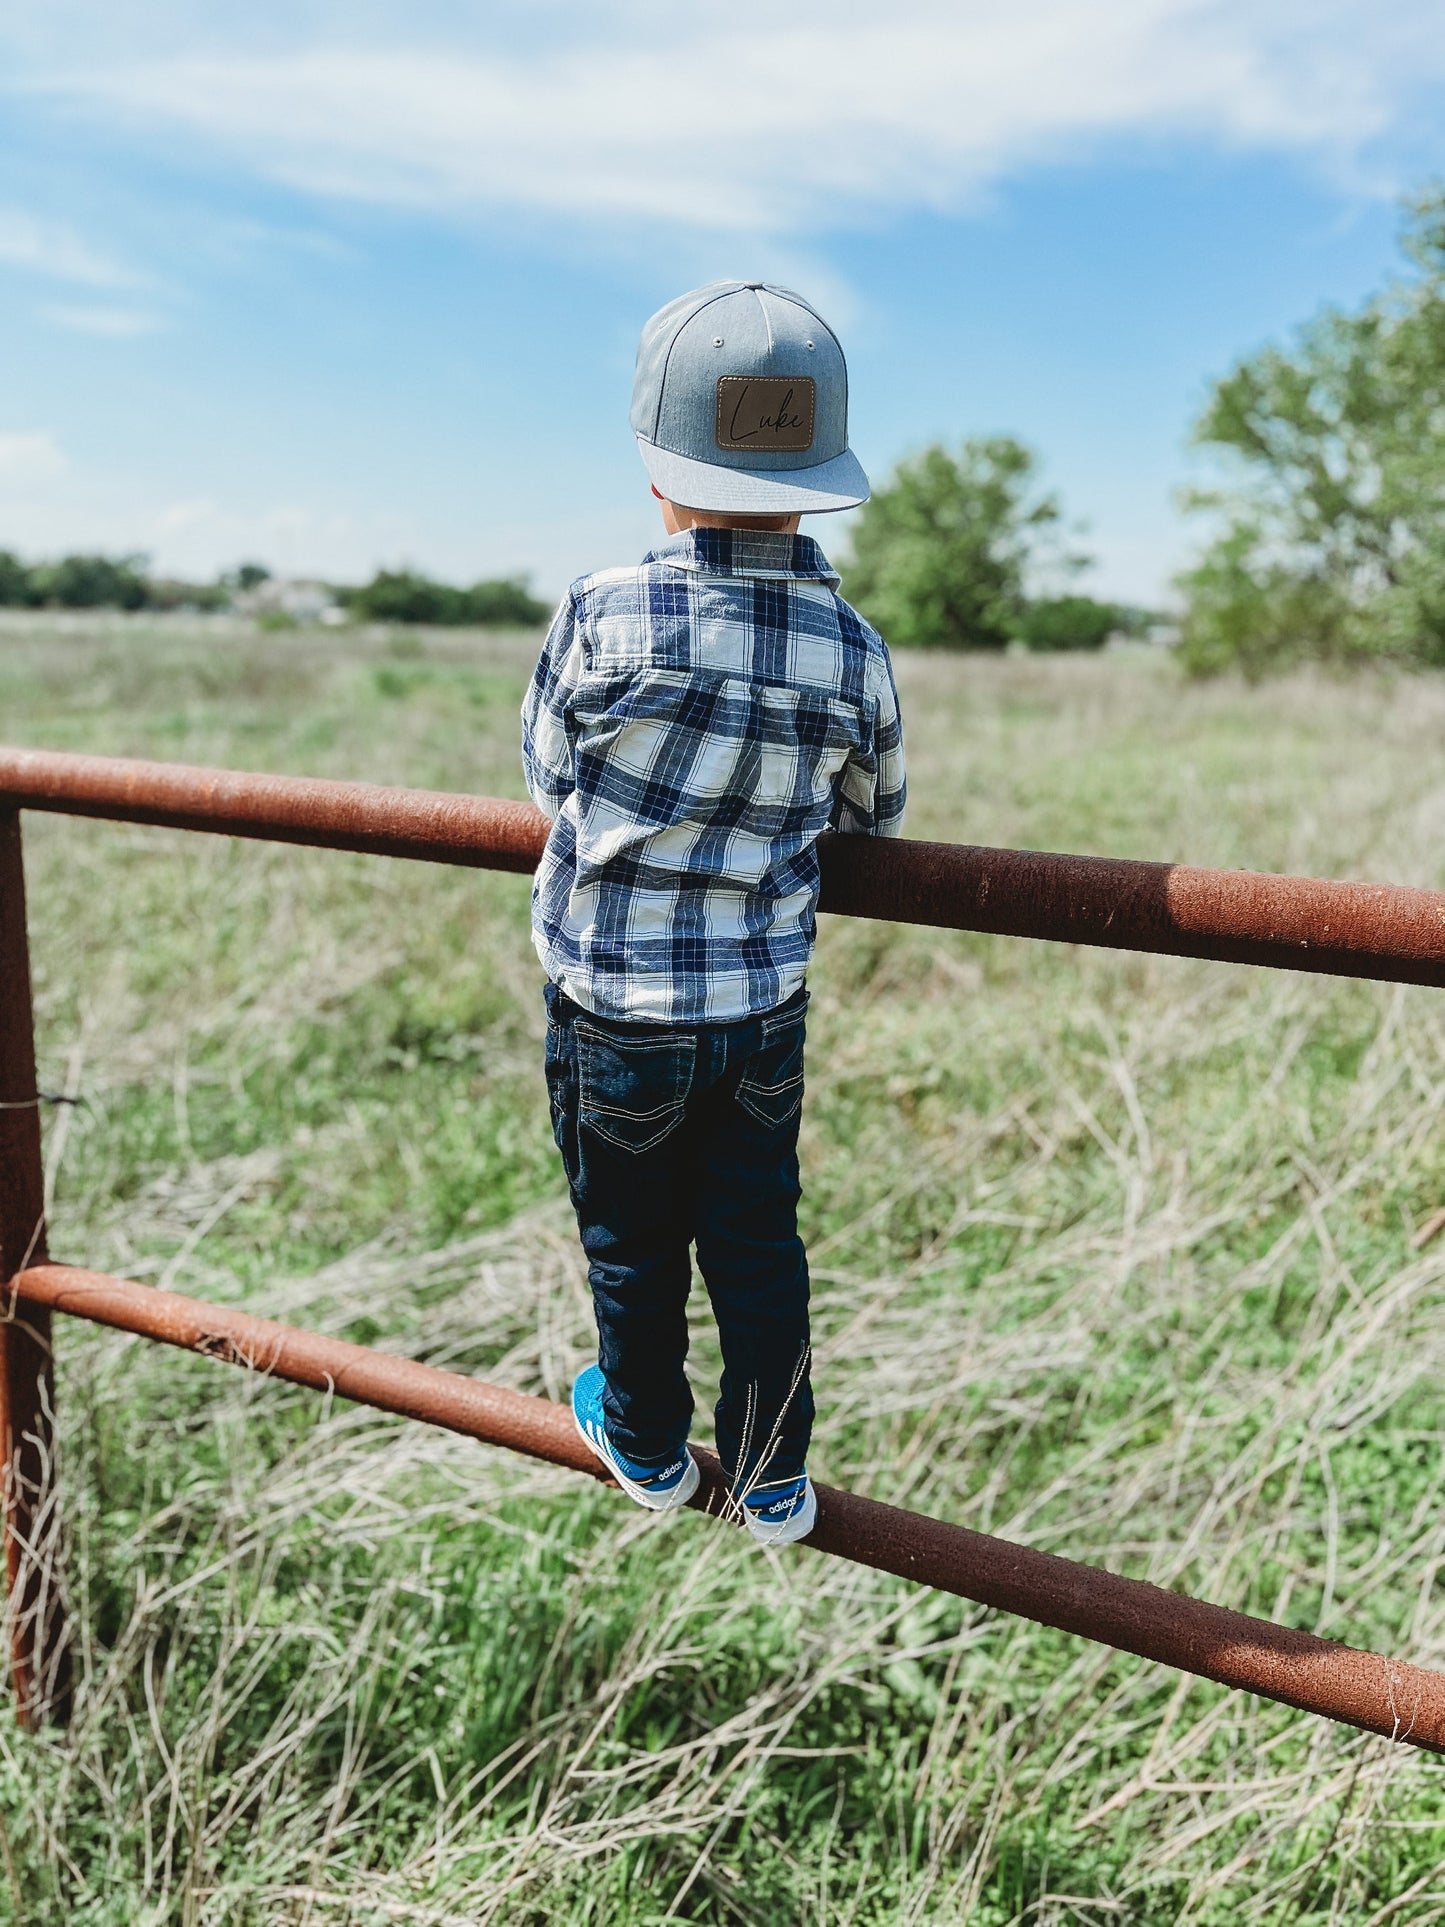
(941, 559)
(392, 595)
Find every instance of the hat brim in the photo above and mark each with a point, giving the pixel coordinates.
(836, 484)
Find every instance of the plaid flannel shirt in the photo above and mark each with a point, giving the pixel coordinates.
(693, 727)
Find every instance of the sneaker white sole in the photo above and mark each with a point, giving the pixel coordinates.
(797, 1526)
(640, 1495)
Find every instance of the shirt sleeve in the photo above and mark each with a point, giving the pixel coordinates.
(549, 729)
(873, 792)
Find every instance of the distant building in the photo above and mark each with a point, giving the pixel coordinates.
(301, 600)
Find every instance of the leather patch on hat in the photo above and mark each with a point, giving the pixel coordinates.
(765, 411)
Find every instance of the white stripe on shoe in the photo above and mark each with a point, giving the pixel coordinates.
(667, 1500)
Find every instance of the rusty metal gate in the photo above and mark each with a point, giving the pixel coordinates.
(1343, 929)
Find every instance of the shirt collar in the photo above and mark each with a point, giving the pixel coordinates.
(755, 552)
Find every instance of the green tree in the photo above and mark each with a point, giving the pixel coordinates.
(1252, 611)
(505, 604)
(1333, 538)
(942, 551)
(403, 595)
(15, 585)
(1069, 622)
(91, 582)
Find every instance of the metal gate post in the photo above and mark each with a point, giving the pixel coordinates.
(40, 1649)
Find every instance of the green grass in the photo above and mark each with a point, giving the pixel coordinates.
(1113, 1255)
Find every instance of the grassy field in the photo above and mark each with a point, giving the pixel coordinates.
(1113, 1255)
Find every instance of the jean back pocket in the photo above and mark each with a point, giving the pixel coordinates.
(771, 1087)
(633, 1090)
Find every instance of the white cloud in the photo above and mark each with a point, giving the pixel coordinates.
(181, 517)
(292, 240)
(49, 249)
(30, 457)
(198, 535)
(112, 324)
(777, 118)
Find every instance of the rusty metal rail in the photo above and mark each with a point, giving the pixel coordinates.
(1234, 916)
(40, 1651)
(1347, 929)
(1361, 1689)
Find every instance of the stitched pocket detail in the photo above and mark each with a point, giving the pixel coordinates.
(771, 1088)
(779, 1024)
(633, 1091)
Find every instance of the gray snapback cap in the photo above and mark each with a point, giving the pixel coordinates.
(740, 404)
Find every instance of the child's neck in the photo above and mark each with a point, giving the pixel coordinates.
(676, 519)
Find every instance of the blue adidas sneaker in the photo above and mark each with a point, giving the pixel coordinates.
(660, 1488)
(781, 1512)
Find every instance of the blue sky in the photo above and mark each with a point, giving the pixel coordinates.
(334, 286)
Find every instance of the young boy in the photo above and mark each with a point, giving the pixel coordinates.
(694, 726)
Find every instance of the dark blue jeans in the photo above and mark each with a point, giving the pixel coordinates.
(677, 1135)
